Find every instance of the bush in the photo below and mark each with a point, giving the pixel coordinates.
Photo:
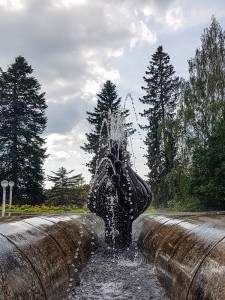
(190, 204)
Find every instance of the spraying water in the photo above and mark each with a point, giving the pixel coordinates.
(117, 193)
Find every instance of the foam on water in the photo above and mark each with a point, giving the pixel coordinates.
(122, 276)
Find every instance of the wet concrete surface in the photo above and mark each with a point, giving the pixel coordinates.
(188, 252)
(37, 254)
(119, 275)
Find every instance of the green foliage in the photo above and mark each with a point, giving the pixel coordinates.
(204, 97)
(162, 92)
(196, 180)
(80, 195)
(208, 180)
(178, 180)
(189, 204)
(22, 121)
(65, 189)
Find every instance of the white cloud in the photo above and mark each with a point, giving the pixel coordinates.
(174, 17)
(141, 34)
(13, 5)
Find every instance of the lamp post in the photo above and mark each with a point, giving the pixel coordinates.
(11, 185)
(4, 184)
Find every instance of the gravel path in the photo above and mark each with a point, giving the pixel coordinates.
(122, 277)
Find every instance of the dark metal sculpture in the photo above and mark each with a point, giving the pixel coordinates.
(118, 195)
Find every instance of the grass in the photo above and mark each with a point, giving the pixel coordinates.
(152, 210)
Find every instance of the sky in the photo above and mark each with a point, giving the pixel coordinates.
(74, 46)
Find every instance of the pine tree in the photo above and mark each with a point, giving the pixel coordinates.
(62, 192)
(162, 92)
(107, 100)
(22, 121)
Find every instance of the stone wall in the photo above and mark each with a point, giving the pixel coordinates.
(188, 252)
(39, 255)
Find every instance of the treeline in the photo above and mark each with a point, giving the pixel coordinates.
(185, 131)
(186, 127)
(22, 146)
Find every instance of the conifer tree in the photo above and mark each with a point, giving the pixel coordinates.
(22, 121)
(107, 100)
(162, 91)
(62, 192)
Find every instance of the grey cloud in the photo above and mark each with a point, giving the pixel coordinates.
(71, 46)
(64, 116)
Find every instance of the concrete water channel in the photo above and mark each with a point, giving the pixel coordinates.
(62, 257)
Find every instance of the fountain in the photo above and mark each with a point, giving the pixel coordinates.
(117, 193)
(48, 257)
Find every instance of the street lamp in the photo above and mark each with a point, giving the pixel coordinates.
(4, 184)
(11, 185)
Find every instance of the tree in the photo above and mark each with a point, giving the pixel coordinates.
(162, 92)
(202, 108)
(208, 179)
(204, 101)
(22, 121)
(107, 101)
(80, 193)
(63, 192)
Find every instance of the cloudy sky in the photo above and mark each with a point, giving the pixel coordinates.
(74, 46)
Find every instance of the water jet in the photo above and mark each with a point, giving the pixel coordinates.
(117, 193)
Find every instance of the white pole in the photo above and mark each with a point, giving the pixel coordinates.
(11, 184)
(4, 184)
(3, 202)
(10, 197)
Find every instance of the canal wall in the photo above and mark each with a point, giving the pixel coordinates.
(39, 255)
(188, 252)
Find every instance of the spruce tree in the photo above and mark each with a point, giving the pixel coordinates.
(22, 121)
(62, 192)
(107, 100)
(162, 91)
